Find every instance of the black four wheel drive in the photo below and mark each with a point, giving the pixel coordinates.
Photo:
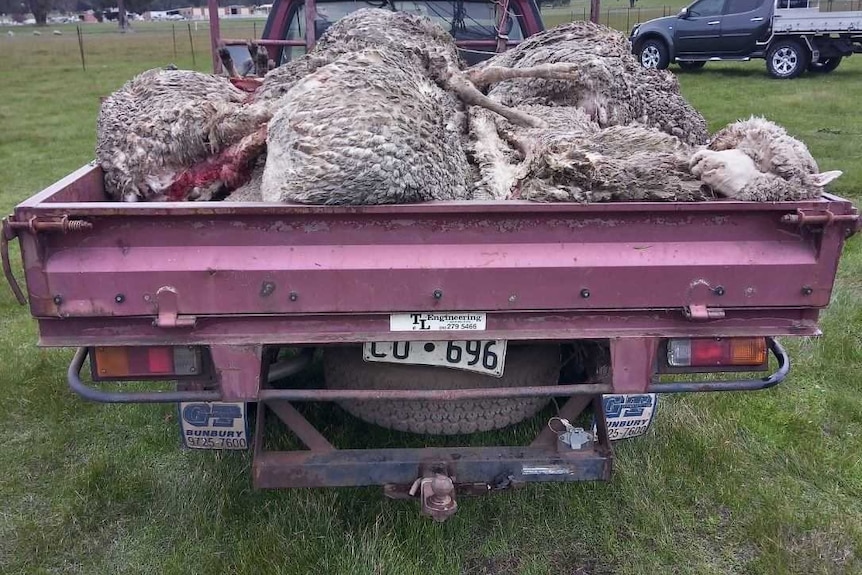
(791, 36)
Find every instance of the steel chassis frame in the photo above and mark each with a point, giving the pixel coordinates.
(437, 473)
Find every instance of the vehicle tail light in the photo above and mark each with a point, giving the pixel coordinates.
(716, 352)
(146, 362)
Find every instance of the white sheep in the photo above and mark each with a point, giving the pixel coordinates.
(758, 160)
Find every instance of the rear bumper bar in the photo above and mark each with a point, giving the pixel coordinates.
(93, 394)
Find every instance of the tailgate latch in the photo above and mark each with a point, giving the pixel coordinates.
(166, 301)
(702, 313)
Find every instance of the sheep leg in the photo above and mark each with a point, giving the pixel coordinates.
(226, 171)
(493, 74)
(227, 61)
(456, 82)
(260, 57)
(499, 175)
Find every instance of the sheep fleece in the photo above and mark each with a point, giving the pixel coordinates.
(368, 128)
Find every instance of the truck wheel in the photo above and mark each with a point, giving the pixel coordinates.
(654, 54)
(689, 66)
(527, 365)
(786, 59)
(825, 66)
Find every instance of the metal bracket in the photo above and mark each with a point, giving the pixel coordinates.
(34, 225)
(823, 217)
(63, 224)
(697, 312)
(166, 301)
(9, 233)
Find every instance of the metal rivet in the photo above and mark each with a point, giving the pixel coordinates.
(429, 347)
(719, 290)
(512, 298)
(147, 297)
(438, 293)
(58, 300)
(119, 298)
(585, 293)
(266, 289)
(807, 290)
(293, 296)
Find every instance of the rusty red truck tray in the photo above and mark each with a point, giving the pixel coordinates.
(219, 272)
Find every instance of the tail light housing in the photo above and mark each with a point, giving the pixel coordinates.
(149, 362)
(715, 354)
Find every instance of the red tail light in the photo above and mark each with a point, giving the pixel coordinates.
(716, 352)
(145, 362)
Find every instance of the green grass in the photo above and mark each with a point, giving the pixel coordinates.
(757, 483)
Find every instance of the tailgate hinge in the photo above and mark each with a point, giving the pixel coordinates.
(702, 312)
(824, 217)
(11, 227)
(61, 224)
(166, 302)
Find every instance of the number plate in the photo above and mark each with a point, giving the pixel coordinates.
(628, 415)
(214, 425)
(486, 357)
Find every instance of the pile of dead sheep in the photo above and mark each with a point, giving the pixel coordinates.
(383, 111)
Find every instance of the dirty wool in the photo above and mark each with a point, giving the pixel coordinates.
(383, 111)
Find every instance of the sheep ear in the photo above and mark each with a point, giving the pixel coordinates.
(824, 178)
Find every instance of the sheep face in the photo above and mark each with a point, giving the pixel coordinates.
(774, 152)
(727, 172)
(733, 174)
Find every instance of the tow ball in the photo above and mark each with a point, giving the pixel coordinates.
(436, 496)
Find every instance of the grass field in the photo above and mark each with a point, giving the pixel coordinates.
(755, 483)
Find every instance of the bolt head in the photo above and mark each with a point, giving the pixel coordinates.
(58, 300)
(807, 290)
(119, 298)
(438, 293)
(585, 293)
(719, 290)
(293, 296)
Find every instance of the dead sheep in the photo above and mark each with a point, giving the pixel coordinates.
(382, 111)
(366, 129)
(606, 81)
(176, 134)
(383, 119)
(758, 160)
(619, 163)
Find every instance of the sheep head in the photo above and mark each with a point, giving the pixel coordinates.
(734, 174)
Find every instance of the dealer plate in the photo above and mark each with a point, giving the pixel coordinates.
(628, 415)
(480, 356)
(437, 321)
(214, 425)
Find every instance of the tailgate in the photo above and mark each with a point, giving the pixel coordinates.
(219, 259)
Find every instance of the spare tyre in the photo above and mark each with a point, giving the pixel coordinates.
(526, 365)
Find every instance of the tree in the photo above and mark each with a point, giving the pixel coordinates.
(40, 9)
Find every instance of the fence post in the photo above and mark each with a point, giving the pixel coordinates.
(192, 44)
(81, 47)
(174, 34)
